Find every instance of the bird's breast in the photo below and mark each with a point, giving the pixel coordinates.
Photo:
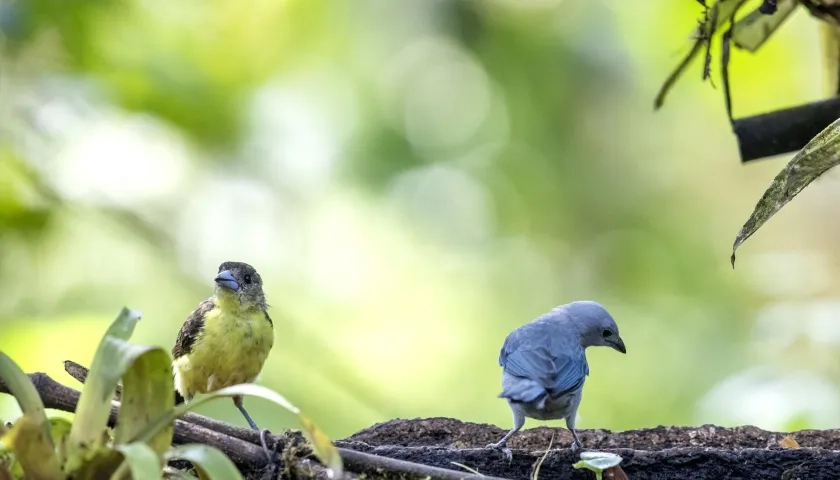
(554, 408)
(231, 349)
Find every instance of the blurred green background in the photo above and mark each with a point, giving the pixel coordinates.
(413, 180)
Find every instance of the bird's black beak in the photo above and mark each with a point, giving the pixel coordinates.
(225, 279)
(618, 344)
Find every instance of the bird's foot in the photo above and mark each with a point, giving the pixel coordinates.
(502, 448)
(269, 454)
(577, 447)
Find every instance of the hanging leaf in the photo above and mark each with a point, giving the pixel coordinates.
(750, 32)
(818, 155)
(718, 14)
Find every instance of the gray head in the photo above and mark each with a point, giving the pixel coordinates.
(241, 282)
(596, 326)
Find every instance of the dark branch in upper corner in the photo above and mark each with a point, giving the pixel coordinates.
(783, 131)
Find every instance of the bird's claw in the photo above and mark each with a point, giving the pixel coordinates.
(576, 447)
(268, 453)
(502, 448)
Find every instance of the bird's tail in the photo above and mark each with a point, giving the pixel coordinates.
(525, 391)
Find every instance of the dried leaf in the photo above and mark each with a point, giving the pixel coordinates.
(830, 40)
(819, 155)
(750, 32)
(789, 442)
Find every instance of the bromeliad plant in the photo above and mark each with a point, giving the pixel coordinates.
(41, 448)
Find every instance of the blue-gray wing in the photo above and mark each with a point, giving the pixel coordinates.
(559, 368)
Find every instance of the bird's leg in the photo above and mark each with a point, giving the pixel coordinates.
(576, 445)
(237, 400)
(518, 422)
(570, 424)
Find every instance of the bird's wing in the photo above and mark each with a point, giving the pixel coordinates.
(191, 328)
(539, 356)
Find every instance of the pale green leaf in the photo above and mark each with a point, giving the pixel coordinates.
(24, 392)
(32, 448)
(818, 155)
(209, 462)
(599, 460)
(144, 395)
(140, 460)
(106, 369)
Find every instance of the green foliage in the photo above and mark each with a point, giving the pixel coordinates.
(815, 158)
(55, 449)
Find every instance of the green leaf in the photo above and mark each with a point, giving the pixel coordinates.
(32, 448)
(597, 462)
(59, 431)
(754, 29)
(209, 462)
(140, 460)
(145, 384)
(818, 155)
(24, 392)
(324, 449)
(95, 401)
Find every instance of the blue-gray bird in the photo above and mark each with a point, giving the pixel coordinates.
(544, 364)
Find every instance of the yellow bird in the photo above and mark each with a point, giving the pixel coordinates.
(226, 340)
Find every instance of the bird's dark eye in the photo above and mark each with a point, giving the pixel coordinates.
(607, 334)
(247, 279)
